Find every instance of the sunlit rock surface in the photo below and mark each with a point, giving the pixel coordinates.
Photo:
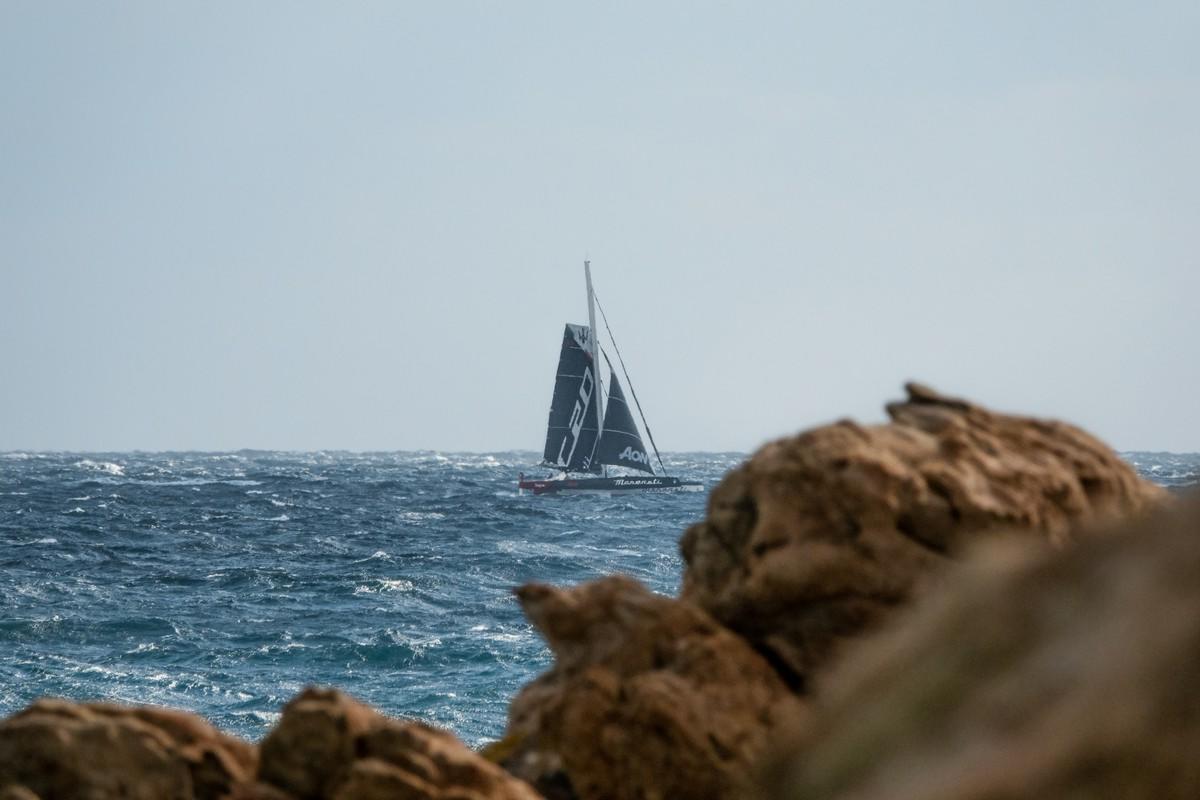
(331, 747)
(326, 746)
(648, 697)
(818, 536)
(58, 750)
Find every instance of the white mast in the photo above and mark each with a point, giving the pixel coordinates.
(587, 272)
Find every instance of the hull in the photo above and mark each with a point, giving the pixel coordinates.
(648, 483)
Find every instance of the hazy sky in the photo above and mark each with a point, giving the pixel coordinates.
(362, 225)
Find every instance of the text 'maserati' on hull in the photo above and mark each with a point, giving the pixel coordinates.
(585, 436)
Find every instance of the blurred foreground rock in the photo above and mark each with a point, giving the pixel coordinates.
(817, 537)
(325, 747)
(330, 746)
(648, 697)
(57, 750)
(1030, 674)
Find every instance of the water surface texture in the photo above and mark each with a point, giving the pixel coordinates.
(224, 583)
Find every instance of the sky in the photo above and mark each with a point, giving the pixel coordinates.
(362, 226)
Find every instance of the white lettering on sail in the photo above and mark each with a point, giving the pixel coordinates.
(629, 454)
(578, 415)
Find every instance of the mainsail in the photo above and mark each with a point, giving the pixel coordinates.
(571, 432)
(620, 444)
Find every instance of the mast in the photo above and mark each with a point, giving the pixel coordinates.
(587, 273)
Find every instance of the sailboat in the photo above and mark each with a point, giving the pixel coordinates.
(583, 439)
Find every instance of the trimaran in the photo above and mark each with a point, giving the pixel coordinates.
(581, 438)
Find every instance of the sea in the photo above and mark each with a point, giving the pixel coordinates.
(224, 583)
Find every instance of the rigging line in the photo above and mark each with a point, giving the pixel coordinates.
(628, 380)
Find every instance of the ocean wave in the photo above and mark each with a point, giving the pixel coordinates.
(184, 591)
(107, 467)
(378, 585)
(267, 719)
(421, 516)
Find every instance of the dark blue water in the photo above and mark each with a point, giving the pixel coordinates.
(224, 583)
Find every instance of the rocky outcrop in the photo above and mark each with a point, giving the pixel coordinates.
(1028, 674)
(57, 750)
(328, 746)
(648, 697)
(325, 747)
(813, 542)
(817, 537)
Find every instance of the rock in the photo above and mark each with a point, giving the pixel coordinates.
(14, 792)
(648, 697)
(328, 746)
(257, 790)
(311, 748)
(59, 749)
(1028, 674)
(818, 537)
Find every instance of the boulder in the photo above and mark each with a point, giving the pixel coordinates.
(816, 538)
(57, 750)
(1029, 673)
(648, 697)
(328, 746)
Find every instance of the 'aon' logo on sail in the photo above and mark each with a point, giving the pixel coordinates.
(629, 454)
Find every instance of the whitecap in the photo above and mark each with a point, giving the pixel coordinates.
(101, 466)
(280, 518)
(533, 549)
(418, 516)
(265, 717)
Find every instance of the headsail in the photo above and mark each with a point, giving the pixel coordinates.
(620, 443)
(571, 432)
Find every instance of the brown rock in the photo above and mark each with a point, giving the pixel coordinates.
(648, 697)
(58, 749)
(311, 749)
(817, 537)
(14, 792)
(1028, 674)
(257, 790)
(328, 745)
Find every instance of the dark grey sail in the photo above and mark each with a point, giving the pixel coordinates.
(571, 432)
(620, 443)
